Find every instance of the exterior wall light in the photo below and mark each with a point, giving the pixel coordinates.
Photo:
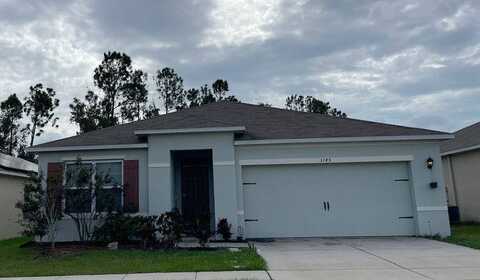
(429, 163)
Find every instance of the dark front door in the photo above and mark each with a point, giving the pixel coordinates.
(195, 191)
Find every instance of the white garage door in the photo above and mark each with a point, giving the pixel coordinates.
(368, 199)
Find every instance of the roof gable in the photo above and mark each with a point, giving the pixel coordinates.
(467, 138)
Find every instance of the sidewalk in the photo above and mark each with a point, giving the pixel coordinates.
(227, 275)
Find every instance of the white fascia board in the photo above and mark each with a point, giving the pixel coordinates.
(468, 149)
(345, 139)
(326, 160)
(14, 174)
(191, 130)
(84, 148)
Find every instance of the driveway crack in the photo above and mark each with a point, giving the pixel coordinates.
(391, 262)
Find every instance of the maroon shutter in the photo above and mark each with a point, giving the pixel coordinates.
(130, 185)
(55, 182)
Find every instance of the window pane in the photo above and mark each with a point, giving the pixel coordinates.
(78, 200)
(111, 172)
(78, 175)
(109, 200)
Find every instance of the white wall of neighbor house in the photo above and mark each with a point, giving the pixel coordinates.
(160, 167)
(11, 190)
(431, 213)
(463, 183)
(66, 228)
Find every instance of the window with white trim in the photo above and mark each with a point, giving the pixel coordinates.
(80, 182)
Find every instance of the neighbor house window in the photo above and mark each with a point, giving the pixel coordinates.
(80, 182)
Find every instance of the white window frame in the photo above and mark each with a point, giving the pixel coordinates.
(94, 173)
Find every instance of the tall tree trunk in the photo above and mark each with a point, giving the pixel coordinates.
(33, 131)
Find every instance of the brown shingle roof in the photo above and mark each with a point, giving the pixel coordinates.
(465, 138)
(260, 122)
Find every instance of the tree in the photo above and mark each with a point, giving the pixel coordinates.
(41, 210)
(151, 111)
(220, 89)
(170, 87)
(135, 96)
(86, 202)
(12, 137)
(124, 97)
(312, 105)
(112, 76)
(39, 106)
(263, 104)
(88, 115)
(205, 95)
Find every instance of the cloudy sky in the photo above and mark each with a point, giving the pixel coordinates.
(412, 63)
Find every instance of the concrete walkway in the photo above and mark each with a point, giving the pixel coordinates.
(231, 275)
(369, 258)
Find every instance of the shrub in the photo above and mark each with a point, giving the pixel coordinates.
(224, 229)
(117, 227)
(146, 230)
(170, 228)
(201, 230)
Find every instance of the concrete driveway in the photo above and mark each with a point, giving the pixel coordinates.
(369, 258)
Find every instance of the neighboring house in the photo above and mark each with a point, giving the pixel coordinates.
(14, 173)
(271, 172)
(461, 163)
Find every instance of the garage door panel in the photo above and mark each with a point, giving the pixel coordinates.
(364, 200)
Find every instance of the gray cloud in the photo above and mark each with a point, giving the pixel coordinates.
(406, 62)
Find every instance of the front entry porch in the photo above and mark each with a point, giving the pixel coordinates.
(193, 187)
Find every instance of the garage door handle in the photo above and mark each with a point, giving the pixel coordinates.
(251, 220)
(406, 217)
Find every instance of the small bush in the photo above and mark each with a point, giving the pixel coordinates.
(201, 230)
(117, 227)
(224, 229)
(170, 228)
(146, 230)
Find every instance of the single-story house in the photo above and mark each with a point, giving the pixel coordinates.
(14, 173)
(461, 164)
(271, 172)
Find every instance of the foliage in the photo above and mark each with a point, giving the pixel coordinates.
(205, 95)
(224, 229)
(170, 228)
(202, 231)
(124, 229)
(19, 261)
(41, 210)
(89, 114)
(39, 107)
(170, 87)
(12, 138)
(312, 105)
(116, 227)
(124, 96)
(135, 96)
(82, 192)
(263, 104)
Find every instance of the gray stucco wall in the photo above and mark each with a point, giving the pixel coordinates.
(431, 213)
(67, 231)
(156, 173)
(463, 183)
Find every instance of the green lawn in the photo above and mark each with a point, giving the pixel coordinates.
(16, 261)
(465, 235)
